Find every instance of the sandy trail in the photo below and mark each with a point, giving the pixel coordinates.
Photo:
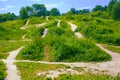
(26, 24)
(73, 28)
(58, 24)
(11, 67)
(47, 18)
(39, 25)
(23, 37)
(45, 32)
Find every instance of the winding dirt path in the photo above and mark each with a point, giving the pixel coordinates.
(39, 25)
(45, 32)
(47, 18)
(12, 72)
(26, 24)
(73, 28)
(58, 24)
(110, 67)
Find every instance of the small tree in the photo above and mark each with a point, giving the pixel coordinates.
(23, 13)
(116, 11)
(54, 12)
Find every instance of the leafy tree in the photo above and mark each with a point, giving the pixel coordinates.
(39, 9)
(116, 11)
(85, 11)
(110, 6)
(23, 13)
(29, 10)
(73, 10)
(99, 7)
(47, 13)
(54, 12)
(7, 16)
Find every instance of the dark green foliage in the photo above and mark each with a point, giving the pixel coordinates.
(54, 12)
(41, 31)
(23, 13)
(116, 11)
(33, 51)
(7, 16)
(2, 71)
(110, 7)
(99, 7)
(39, 9)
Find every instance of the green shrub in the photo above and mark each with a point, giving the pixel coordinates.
(73, 50)
(37, 20)
(55, 31)
(33, 51)
(10, 30)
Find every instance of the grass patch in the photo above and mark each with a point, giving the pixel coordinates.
(3, 56)
(37, 20)
(63, 45)
(33, 51)
(2, 71)
(28, 71)
(10, 30)
(113, 48)
(6, 46)
(101, 30)
(87, 77)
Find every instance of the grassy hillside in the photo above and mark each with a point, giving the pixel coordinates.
(60, 44)
(99, 29)
(10, 30)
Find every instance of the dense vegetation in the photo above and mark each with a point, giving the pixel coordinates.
(101, 25)
(10, 30)
(101, 30)
(2, 71)
(7, 16)
(62, 45)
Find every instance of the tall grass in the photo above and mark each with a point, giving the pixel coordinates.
(101, 30)
(10, 30)
(37, 20)
(2, 71)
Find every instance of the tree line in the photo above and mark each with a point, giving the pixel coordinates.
(37, 10)
(112, 10)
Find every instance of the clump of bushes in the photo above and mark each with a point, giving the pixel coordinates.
(10, 30)
(33, 51)
(37, 20)
(75, 50)
(101, 30)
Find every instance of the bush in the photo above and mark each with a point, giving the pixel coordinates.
(10, 30)
(73, 49)
(33, 51)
